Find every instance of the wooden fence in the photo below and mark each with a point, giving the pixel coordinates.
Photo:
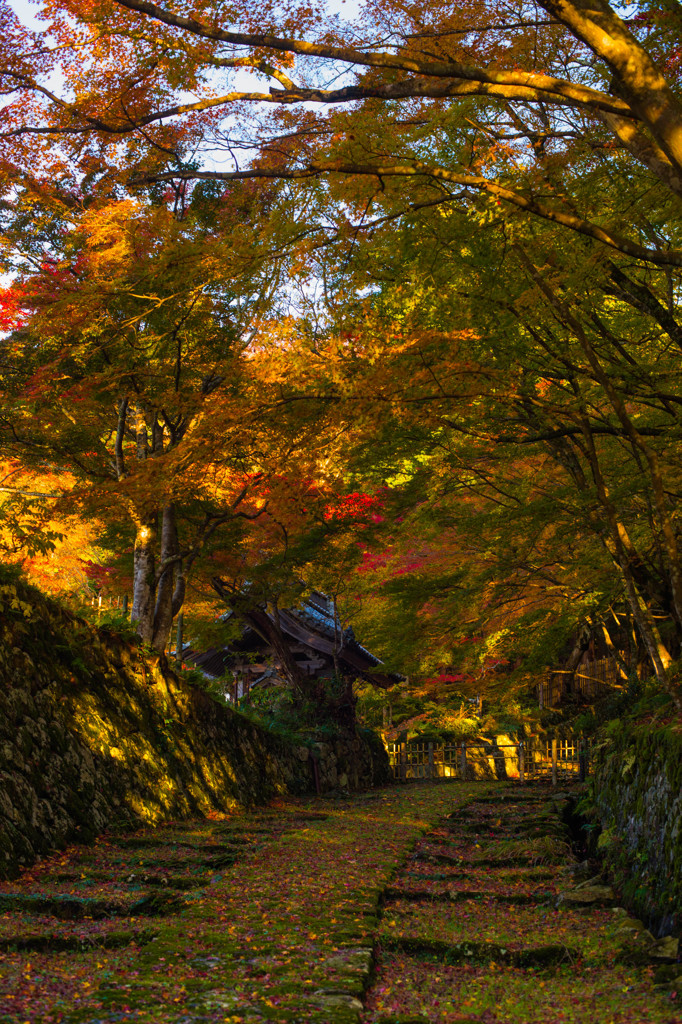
(592, 679)
(552, 760)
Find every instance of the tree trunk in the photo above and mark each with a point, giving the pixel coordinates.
(144, 579)
(260, 621)
(163, 609)
(636, 77)
(619, 544)
(262, 624)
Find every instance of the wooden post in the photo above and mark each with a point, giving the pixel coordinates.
(463, 762)
(403, 762)
(430, 768)
(522, 765)
(541, 694)
(178, 638)
(554, 762)
(582, 758)
(125, 604)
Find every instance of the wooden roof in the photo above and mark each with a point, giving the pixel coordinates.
(313, 626)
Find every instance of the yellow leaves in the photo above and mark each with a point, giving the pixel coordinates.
(108, 233)
(10, 601)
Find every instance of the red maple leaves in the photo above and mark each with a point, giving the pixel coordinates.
(11, 313)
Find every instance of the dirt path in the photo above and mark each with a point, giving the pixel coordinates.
(281, 914)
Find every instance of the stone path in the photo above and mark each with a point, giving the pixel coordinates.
(486, 922)
(425, 903)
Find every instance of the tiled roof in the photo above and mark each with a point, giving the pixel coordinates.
(313, 624)
(213, 662)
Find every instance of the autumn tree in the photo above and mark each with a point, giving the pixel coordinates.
(516, 174)
(540, 443)
(143, 370)
(522, 87)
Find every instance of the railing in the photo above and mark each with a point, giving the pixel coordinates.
(558, 759)
(591, 680)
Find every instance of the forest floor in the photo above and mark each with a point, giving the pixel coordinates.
(424, 903)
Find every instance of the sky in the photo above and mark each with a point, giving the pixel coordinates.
(26, 11)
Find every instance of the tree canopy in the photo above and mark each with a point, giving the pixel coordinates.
(268, 259)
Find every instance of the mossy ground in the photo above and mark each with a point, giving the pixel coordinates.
(464, 936)
(272, 915)
(266, 915)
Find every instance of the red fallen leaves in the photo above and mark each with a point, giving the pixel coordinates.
(441, 878)
(515, 927)
(591, 987)
(493, 994)
(267, 929)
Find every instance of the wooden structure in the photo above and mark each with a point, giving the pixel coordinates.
(315, 639)
(589, 681)
(564, 759)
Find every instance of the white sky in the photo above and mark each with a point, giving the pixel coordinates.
(26, 11)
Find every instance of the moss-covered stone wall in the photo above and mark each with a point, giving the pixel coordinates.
(91, 731)
(637, 790)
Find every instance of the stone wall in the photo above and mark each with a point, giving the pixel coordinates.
(637, 791)
(91, 732)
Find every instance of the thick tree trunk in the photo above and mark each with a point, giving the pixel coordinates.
(163, 608)
(636, 78)
(262, 624)
(144, 579)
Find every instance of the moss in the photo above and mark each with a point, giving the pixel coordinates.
(92, 732)
(636, 794)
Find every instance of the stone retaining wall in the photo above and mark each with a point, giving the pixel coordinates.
(92, 732)
(637, 791)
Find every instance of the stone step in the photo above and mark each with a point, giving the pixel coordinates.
(458, 895)
(79, 908)
(48, 943)
(480, 952)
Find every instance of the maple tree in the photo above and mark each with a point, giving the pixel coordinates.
(144, 371)
(514, 170)
(27, 529)
(543, 433)
(522, 88)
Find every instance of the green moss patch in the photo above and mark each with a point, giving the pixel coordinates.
(497, 994)
(470, 934)
(285, 934)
